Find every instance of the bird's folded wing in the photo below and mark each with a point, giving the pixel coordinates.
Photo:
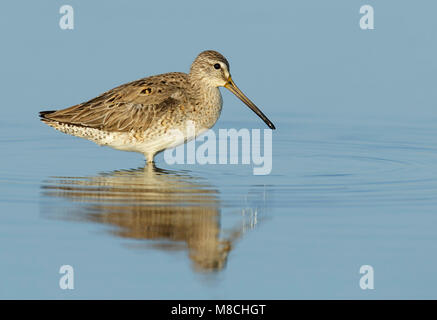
(134, 105)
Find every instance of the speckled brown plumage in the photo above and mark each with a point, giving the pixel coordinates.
(137, 115)
(131, 106)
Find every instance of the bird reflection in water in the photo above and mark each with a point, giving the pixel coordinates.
(171, 209)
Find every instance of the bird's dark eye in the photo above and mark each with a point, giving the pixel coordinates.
(217, 66)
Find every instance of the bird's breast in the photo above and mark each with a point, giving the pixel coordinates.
(206, 108)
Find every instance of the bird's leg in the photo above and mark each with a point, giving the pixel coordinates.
(150, 159)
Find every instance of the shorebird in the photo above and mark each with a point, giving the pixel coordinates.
(139, 116)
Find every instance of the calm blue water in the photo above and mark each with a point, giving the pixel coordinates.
(354, 179)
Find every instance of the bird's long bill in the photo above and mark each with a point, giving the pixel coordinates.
(231, 86)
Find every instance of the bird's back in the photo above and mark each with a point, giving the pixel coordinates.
(131, 106)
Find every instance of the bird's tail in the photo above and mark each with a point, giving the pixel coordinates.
(43, 115)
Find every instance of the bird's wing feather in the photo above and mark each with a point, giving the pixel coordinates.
(134, 105)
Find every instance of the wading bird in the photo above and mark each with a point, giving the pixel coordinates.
(138, 116)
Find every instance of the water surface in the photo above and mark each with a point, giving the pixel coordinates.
(354, 176)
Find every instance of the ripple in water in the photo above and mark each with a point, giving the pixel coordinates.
(172, 210)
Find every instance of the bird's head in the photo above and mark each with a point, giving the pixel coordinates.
(212, 69)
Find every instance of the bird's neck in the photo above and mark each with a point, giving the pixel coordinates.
(206, 100)
(204, 94)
